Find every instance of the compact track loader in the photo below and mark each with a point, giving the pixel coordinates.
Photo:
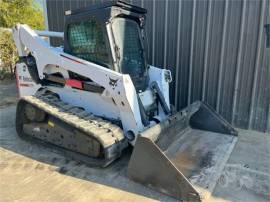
(97, 94)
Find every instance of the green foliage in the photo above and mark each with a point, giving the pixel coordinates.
(20, 11)
(8, 53)
(11, 13)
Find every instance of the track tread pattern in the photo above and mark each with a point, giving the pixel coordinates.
(104, 131)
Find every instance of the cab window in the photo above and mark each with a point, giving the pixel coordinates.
(87, 41)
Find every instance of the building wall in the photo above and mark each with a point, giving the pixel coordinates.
(216, 50)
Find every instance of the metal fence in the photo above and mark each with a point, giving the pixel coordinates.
(216, 50)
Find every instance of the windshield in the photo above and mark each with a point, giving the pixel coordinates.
(87, 41)
(129, 47)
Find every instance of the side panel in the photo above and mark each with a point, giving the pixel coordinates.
(98, 104)
(25, 84)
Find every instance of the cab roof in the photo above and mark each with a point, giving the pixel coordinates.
(107, 4)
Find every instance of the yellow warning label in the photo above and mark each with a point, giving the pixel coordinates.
(50, 123)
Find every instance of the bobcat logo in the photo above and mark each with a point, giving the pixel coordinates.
(113, 82)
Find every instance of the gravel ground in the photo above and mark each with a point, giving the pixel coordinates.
(30, 172)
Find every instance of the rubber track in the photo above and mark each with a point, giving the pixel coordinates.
(104, 131)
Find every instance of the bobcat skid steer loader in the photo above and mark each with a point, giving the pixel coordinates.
(97, 94)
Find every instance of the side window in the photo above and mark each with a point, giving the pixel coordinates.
(87, 41)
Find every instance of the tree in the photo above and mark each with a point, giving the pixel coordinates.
(11, 13)
(8, 53)
(18, 11)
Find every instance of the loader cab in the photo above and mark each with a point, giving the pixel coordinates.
(110, 34)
